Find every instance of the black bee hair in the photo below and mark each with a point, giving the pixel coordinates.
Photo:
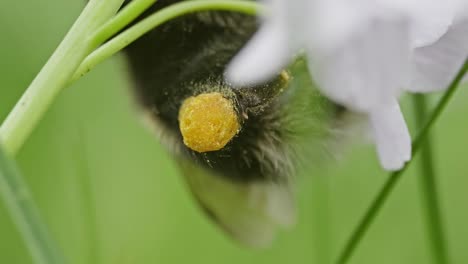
(246, 185)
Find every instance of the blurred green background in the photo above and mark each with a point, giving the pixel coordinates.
(110, 194)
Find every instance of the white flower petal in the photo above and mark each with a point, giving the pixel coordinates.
(368, 70)
(391, 136)
(429, 19)
(331, 23)
(435, 66)
(262, 58)
(363, 54)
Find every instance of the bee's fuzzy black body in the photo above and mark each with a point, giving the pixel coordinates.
(246, 186)
(188, 56)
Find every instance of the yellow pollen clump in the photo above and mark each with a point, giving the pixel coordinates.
(207, 122)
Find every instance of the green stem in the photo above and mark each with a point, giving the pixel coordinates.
(84, 182)
(121, 20)
(160, 17)
(76, 45)
(382, 196)
(428, 185)
(25, 215)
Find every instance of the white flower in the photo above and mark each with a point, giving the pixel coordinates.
(363, 54)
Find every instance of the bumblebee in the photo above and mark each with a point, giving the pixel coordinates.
(237, 147)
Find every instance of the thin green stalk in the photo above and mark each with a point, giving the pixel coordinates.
(84, 183)
(121, 20)
(160, 17)
(382, 196)
(76, 45)
(25, 215)
(428, 185)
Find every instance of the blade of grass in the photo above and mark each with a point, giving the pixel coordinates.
(84, 183)
(428, 186)
(25, 215)
(385, 191)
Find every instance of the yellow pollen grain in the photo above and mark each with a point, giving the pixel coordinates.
(207, 122)
(285, 76)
